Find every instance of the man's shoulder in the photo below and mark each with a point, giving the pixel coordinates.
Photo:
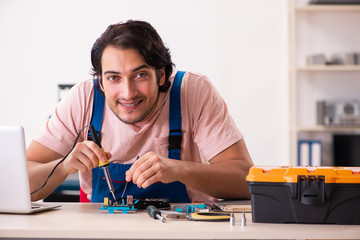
(80, 93)
(193, 79)
(84, 85)
(195, 75)
(82, 89)
(196, 83)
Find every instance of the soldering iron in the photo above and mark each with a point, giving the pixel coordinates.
(103, 165)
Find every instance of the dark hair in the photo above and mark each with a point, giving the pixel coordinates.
(138, 35)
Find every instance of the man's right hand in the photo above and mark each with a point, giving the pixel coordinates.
(84, 157)
(42, 160)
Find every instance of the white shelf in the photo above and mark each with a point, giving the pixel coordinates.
(330, 68)
(318, 128)
(327, 8)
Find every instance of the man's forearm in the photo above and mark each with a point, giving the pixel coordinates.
(224, 180)
(38, 173)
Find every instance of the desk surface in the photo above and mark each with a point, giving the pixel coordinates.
(85, 220)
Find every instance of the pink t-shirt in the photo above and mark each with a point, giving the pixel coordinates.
(207, 127)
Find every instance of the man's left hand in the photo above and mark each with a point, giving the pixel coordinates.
(152, 168)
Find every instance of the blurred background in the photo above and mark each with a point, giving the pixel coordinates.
(242, 46)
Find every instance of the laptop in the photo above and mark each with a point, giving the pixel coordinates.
(14, 178)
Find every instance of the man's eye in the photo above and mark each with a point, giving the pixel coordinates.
(113, 78)
(141, 75)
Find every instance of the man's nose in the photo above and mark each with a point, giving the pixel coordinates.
(128, 89)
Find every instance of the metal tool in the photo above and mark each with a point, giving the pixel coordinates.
(154, 213)
(174, 214)
(214, 207)
(103, 165)
(243, 219)
(232, 219)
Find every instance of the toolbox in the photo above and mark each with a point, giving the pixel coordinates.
(328, 195)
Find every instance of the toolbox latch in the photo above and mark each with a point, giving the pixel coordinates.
(311, 189)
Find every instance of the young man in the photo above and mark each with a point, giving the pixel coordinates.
(133, 71)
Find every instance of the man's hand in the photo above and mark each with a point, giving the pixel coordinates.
(223, 177)
(84, 157)
(41, 160)
(152, 168)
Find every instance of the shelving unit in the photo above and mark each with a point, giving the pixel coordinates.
(338, 68)
(326, 29)
(303, 7)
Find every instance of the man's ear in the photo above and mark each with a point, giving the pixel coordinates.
(100, 83)
(162, 76)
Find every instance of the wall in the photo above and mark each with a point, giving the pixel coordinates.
(241, 45)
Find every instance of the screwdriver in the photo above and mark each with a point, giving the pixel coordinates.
(154, 213)
(103, 165)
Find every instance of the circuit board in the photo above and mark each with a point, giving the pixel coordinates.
(122, 206)
(129, 204)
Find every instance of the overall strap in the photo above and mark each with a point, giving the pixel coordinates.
(96, 121)
(98, 110)
(175, 135)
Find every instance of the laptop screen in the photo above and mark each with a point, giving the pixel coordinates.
(14, 180)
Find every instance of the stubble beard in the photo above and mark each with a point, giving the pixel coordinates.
(129, 120)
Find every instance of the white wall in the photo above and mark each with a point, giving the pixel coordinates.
(240, 44)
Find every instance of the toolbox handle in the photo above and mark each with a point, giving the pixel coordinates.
(311, 189)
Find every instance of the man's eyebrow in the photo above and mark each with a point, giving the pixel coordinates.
(111, 72)
(134, 70)
(140, 67)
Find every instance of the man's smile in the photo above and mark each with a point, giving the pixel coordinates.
(129, 105)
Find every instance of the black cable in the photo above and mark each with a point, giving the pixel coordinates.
(77, 138)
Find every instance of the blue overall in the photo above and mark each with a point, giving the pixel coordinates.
(175, 191)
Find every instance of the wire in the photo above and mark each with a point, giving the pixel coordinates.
(77, 138)
(124, 189)
(127, 181)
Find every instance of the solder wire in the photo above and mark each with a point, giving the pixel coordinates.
(124, 189)
(122, 195)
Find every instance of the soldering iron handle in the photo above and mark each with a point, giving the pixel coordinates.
(94, 136)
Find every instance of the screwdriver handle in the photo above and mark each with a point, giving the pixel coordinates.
(154, 213)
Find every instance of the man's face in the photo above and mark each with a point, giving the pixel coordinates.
(129, 84)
